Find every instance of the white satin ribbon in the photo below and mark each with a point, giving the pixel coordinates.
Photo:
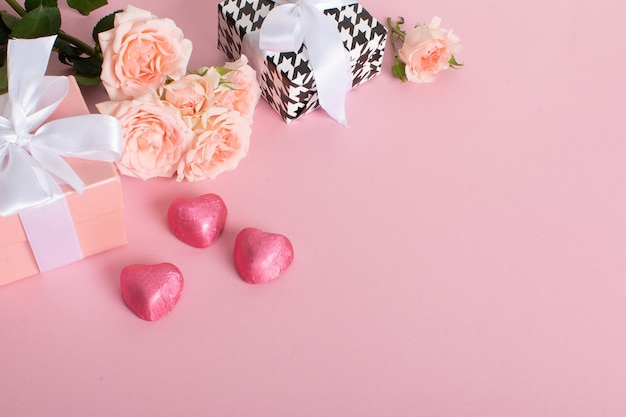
(293, 22)
(51, 234)
(31, 163)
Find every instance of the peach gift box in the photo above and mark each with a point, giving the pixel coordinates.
(96, 214)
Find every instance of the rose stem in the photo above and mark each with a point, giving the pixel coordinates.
(394, 31)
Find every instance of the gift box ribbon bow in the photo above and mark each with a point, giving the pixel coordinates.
(294, 22)
(31, 149)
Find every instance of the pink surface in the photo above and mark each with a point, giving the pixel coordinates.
(459, 249)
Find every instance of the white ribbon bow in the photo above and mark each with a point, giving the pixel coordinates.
(294, 22)
(31, 163)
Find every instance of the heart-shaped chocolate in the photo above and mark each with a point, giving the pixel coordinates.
(261, 256)
(198, 221)
(151, 291)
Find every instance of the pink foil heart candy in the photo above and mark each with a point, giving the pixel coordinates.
(151, 291)
(198, 221)
(261, 256)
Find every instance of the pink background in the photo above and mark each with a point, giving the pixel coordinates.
(459, 249)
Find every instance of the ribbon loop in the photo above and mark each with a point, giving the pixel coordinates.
(293, 22)
(281, 30)
(26, 70)
(31, 150)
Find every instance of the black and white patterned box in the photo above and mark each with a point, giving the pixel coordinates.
(286, 80)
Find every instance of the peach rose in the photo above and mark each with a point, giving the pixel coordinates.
(193, 93)
(154, 133)
(140, 52)
(427, 50)
(239, 89)
(222, 140)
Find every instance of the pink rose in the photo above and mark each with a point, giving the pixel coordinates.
(193, 93)
(155, 136)
(223, 139)
(427, 50)
(241, 91)
(140, 52)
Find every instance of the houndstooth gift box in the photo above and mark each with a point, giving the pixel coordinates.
(287, 79)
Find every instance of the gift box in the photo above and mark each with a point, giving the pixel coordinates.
(286, 78)
(95, 216)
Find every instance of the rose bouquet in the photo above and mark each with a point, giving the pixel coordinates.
(193, 125)
(426, 50)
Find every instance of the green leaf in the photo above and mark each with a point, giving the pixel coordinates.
(222, 71)
(89, 81)
(5, 33)
(87, 66)
(8, 19)
(202, 71)
(4, 81)
(42, 21)
(33, 4)
(398, 69)
(104, 24)
(85, 7)
(66, 52)
(225, 84)
(452, 62)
